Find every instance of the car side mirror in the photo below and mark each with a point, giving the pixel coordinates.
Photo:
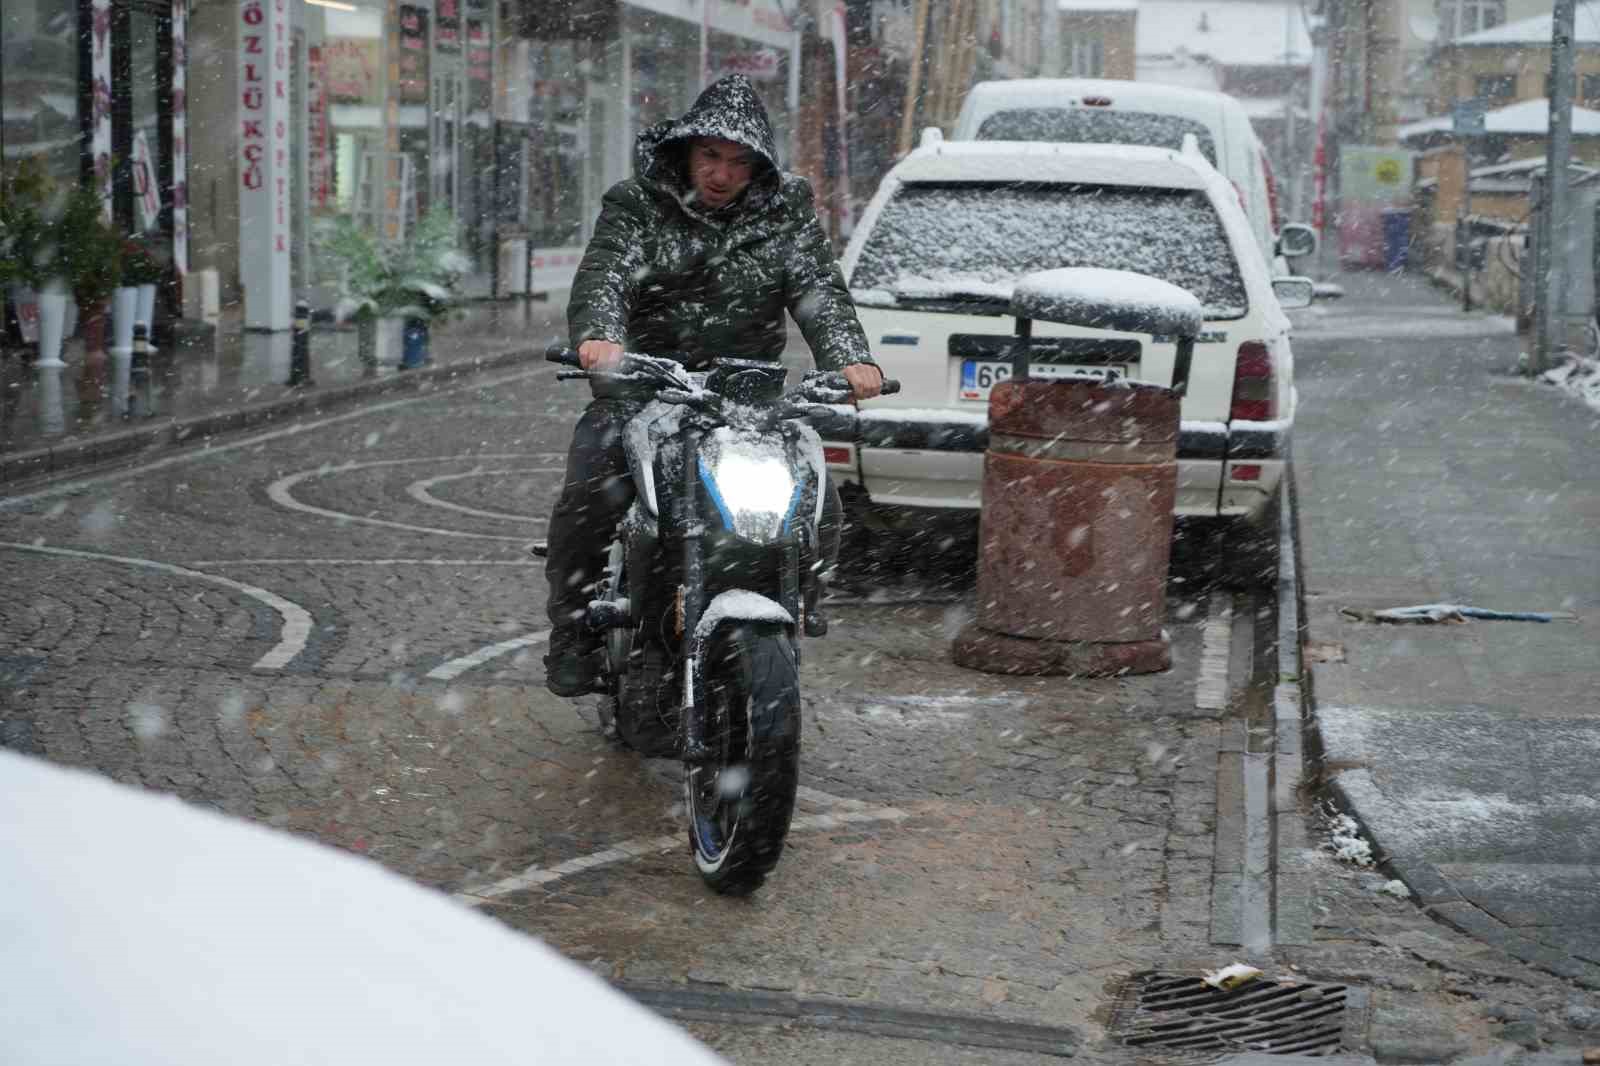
(1294, 293)
(1296, 240)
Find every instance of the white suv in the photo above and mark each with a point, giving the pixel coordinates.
(932, 265)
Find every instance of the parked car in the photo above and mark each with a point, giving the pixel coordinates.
(932, 265)
(1096, 111)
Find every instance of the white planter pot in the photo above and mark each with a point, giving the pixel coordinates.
(52, 326)
(124, 308)
(52, 415)
(147, 307)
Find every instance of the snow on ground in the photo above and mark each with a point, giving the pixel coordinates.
(1579, 376)
(139, 930)
(1322, 322)
(1344, 840)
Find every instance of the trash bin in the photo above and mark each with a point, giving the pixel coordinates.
(1396, 238)
(1080, 482)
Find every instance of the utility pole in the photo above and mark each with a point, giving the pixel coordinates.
(908, 117)
(1551, 324)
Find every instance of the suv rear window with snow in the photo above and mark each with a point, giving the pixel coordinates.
(1083, 126)
(979, 238)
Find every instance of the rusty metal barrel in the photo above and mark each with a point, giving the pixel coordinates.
(1080, 482)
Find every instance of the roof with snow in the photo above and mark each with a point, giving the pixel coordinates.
(1527, 118)
(1184, 72)
(1539, 29)
(1093, 7)
(1236, 33)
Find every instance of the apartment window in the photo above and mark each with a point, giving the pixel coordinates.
(1585, 88)
(1086, 55)
(1457, 18)
(1495, 88)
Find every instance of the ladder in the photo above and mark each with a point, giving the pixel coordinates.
(389, 210)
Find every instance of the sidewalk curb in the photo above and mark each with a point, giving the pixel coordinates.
(74, 455)
(1353, 791)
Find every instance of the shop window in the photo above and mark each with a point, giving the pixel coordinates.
(1585, 88)
(39, 56)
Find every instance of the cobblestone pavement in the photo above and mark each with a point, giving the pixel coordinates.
(336, 629)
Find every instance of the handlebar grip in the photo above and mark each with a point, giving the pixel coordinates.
(560, 353)
(890, 387)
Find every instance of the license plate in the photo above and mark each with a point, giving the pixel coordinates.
(979, 376)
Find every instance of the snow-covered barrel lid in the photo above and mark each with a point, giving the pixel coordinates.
(1107, 299)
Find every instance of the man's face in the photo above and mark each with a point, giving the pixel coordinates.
(719, 170)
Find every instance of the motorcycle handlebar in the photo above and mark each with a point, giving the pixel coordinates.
(564, 356)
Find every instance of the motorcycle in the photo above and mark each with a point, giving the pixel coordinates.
(713, 577)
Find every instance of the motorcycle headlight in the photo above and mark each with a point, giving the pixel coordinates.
(755, 494)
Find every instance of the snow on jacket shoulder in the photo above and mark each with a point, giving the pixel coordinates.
(664, 277)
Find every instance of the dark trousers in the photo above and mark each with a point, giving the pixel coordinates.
(595, 497)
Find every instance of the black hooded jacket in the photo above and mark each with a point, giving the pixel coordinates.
(665, 277)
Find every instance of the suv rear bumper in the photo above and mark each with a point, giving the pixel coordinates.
(906, 461)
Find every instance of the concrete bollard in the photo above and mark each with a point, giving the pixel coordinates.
(300, 348)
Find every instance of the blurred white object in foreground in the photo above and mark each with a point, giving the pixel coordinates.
(135, 929)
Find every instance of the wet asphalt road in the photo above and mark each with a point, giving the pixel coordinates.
(336, 630)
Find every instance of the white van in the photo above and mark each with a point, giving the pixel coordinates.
(1099, 111)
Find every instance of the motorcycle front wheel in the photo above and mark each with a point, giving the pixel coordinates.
(740, 802)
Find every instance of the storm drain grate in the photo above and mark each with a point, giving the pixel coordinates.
(1182, 1013)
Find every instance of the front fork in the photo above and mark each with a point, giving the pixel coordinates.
(693, 590)
(687, 518)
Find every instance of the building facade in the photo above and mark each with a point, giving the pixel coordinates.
(94, 91)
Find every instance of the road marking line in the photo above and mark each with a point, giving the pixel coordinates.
(1216, 642)
(367, 562)
(206, 451)
(449, 671)
(280, 493)
(535, 876)
(419, 491)
(297, 623)
(828, 799)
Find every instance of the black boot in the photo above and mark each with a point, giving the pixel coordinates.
(573, 665)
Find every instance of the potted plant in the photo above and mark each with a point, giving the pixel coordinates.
(414, 279)
(429, 269)
(88, 260)
(135, 298)
(25, 192)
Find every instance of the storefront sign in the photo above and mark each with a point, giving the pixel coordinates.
(319, 158)
(264, 162)
(180, 136)
(447, 26)
(480, 55)
(100, 72)
(1374, 174)
(413, 54)
(760, 65)
(351, 65)
(551, 269)
(146, 184)
(755, 20)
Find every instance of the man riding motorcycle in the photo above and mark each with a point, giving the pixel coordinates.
(696, 257)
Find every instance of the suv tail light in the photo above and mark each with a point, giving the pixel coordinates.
(1254, 394)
